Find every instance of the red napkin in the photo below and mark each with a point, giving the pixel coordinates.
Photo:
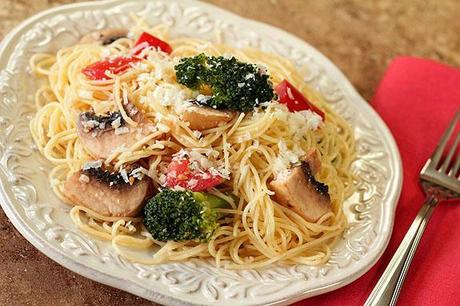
(417, 98)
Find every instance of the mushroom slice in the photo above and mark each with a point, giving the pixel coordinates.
(107, 193)
(203, 117)
(301, 192)
(101, 135)
(104, 37)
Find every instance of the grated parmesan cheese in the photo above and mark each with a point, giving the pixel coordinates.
(182, 106)
(220, 171)
(192, 183)
(124, 175)
(249, 76)
(116, 123)
(202, 98)
(203, 160)
(265, 104)
(313, 119)
(92, 164)
(299, 123)
(122, 130)
(139, 173)
(88, 125)
(162, 179)
(286, 157)
(178, 188)
(168, 94)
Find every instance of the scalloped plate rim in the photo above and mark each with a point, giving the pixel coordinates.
(381, 241)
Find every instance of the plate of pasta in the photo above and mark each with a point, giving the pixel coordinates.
(190, 156)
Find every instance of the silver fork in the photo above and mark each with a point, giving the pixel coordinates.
(439, 182)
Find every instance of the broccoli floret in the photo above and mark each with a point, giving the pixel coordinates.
(234, 85)
(182, 215)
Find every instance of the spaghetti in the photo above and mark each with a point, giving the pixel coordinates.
(255, 231)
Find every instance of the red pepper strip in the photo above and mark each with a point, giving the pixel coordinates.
(97, 70)
(179, 174)
(294, 99)
(147, 40)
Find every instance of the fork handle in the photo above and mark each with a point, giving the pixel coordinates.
(387, 290)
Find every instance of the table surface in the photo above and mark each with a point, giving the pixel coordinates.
(360, 36)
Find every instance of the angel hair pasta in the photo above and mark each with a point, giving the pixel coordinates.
(185, 149)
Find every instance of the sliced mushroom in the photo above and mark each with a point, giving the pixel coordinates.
(203, 117)
(301, 192)
(101, 135)
(109, 198)
(104, 37)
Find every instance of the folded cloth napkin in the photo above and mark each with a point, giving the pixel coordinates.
(417, 98)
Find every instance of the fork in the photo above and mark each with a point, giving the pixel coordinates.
(440, 181)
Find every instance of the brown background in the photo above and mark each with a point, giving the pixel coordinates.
(360, 36)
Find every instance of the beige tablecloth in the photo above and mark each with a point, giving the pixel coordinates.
(360, 36)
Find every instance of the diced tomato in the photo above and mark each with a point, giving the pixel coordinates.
(97, 70)
(180, 174)
(147, 40)
(294, 99)
(205, 181)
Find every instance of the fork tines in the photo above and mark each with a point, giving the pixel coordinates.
(443, 166)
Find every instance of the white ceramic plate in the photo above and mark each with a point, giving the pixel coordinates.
(28, 201)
